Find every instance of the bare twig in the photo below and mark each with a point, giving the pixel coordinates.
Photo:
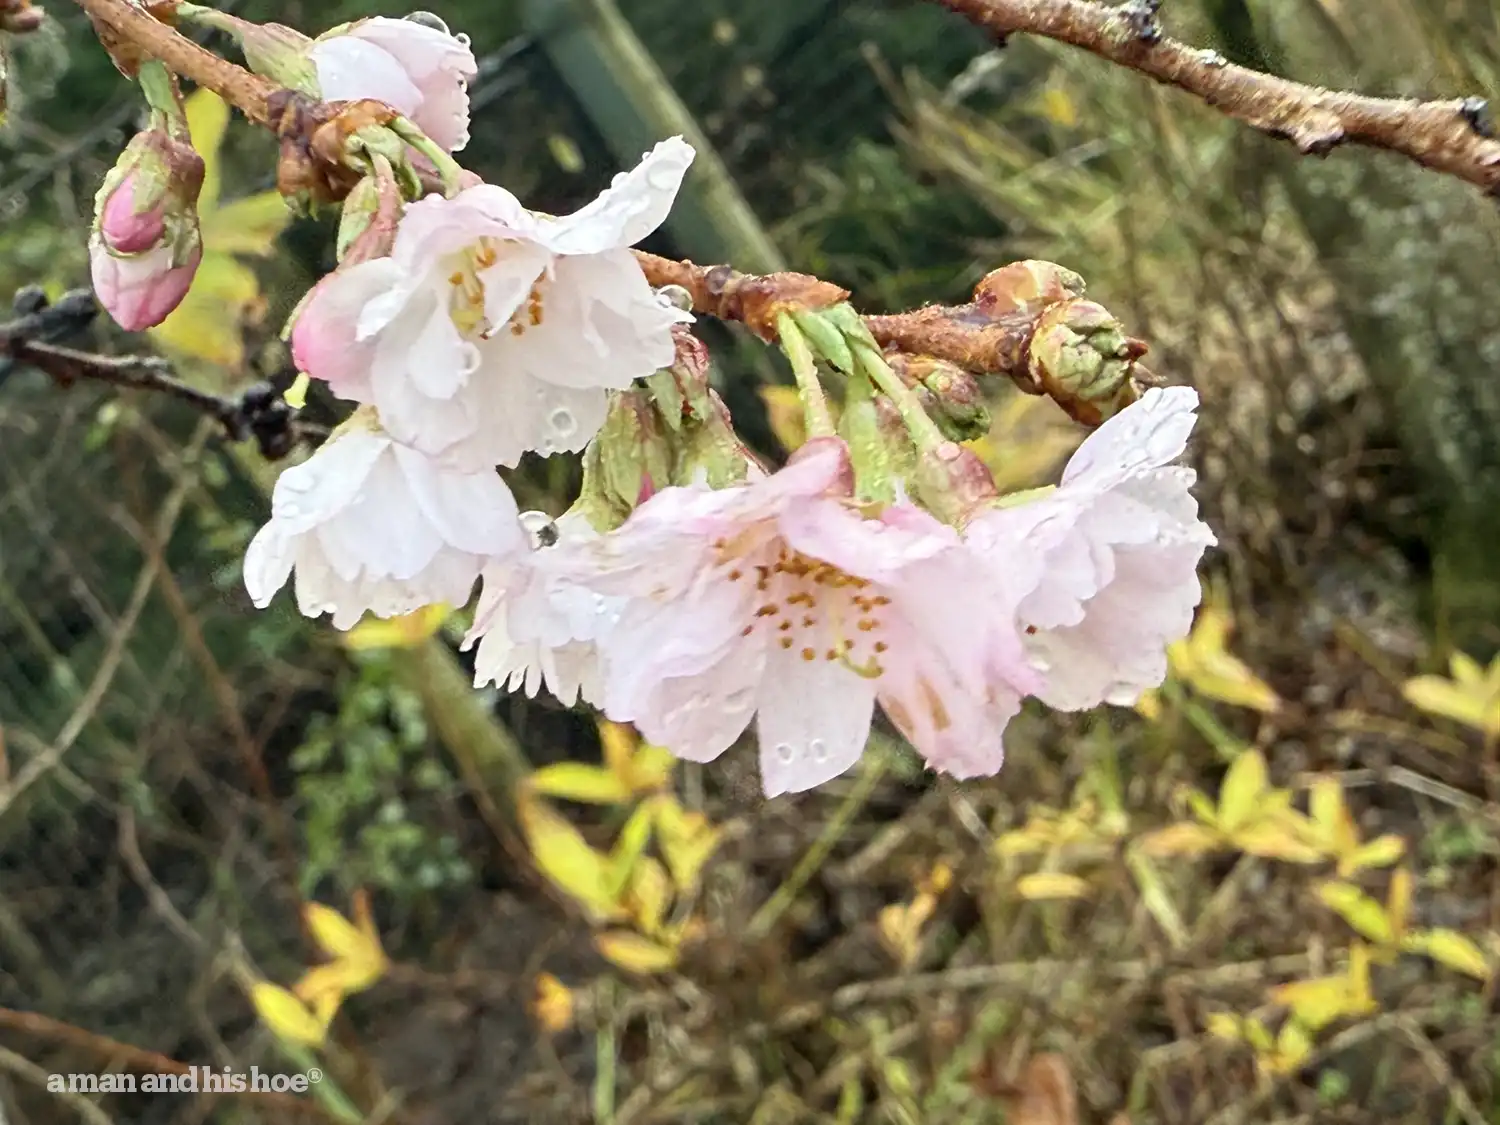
(140, 1060)
(29, 1072)
(109, 663)
(31, 339)
(130, 29)
(1447, 136)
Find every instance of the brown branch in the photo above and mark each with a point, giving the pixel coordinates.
(995, 335)
(129, 30)
(1448, 136)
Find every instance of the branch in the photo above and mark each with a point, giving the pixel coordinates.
(258, 412)
(130, 30)
(994, 335)
(1448, 136)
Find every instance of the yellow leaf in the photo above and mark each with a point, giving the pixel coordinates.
(651, 768)
(295, 396)
(1380, 852)
(1148, 706)
(630, 847)
(336, 936)
(648, 895)
(1293, 1046)
(634, 953)
(576, 781)
(1051, 885)
(1226, 1025)
(247, 226)
(784, 412)
(687, 841)
(225, 296)
(1241, 791)
(564, 856)
(1335, 829)
(1398, 901)
(1204, 662)
(1277, 838)
(1465, 669)
(618, 743)
(900, 930)
(287, 1016)
(1057, 107)
(1361, 911)
(407, 631)
(1319, 1002)
(1471, 702)
(552, 1004)
(207, 119)
(335, 980)
(1185, 839)
(936, 881)
(1453, 949)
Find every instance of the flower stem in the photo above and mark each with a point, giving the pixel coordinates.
(814, 402)
(448, 168)
(925, 434)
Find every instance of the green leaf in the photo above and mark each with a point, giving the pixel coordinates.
(1241, 792)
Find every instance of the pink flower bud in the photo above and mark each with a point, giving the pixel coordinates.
(126, 230)
(146, 245)
(140, 290)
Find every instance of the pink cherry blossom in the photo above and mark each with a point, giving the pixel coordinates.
(779, 599)
(370, 525)
(1108, 561)
(419, 71)
(490, 331)
(140, 290)
(534, 626)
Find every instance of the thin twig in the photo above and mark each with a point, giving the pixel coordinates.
(29, 1072)
(109, 663)
(1447, 136)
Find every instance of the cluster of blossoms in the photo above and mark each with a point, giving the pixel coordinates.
(690, 590)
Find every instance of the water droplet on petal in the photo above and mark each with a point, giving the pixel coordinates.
(541, 527)
(1041, 664)
(739, 700)
(563, 424)
(290, 510)
(819, 750)
(471, 358)
(786, 752)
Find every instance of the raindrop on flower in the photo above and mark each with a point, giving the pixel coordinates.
(786, 751)
(563, 424)
(541, 527)
(428, 19)
(819, 750)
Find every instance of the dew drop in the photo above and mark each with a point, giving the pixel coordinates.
(563, 424)
(541, 527)
(676, 296)
(1041, 664)
(786, 752)
(428, 19)
(819, 750)
(471, 359)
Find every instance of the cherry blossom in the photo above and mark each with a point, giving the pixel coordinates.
(370, 525)
(418, 70)
(780, 600)
(490, 331)
(1111, 556)
(534, 626)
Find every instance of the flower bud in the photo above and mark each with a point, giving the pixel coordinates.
(952, 396)
(1025, 287)
(1081, 357)
(146, 245)
(271, 50)
(635, 455)
(953, 481)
